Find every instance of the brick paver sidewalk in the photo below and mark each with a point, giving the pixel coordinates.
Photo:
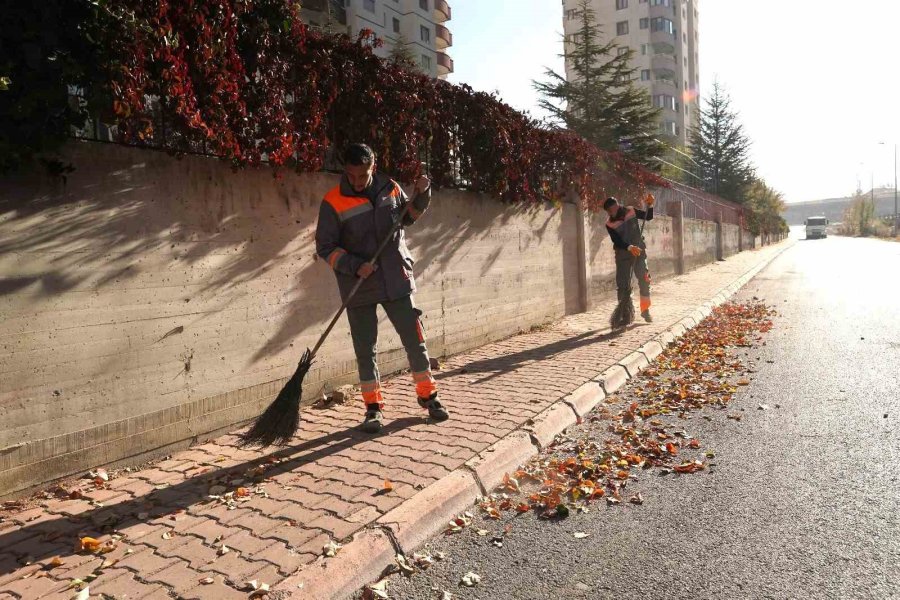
(165, 527)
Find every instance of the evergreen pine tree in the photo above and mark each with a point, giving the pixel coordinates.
(601, 102)
(720, 148)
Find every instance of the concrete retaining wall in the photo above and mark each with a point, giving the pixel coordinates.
(699, 243)
(150, 302)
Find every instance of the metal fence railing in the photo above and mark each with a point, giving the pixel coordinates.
(699, 205)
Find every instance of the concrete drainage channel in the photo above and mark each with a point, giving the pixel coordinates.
(409, 525)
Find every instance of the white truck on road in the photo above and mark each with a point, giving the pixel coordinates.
(816, 227)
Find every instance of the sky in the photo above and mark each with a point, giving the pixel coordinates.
(815, 84)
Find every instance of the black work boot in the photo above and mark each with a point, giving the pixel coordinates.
(373, 420)
(435, 410)
(647, 317)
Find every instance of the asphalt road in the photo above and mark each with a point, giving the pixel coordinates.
(804, 500)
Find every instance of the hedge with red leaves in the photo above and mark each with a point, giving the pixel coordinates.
(248, 81)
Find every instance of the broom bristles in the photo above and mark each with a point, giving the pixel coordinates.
(278, 424)
(623, 315)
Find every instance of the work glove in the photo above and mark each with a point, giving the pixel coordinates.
(650, 201)
(422, 184)
(635, 251)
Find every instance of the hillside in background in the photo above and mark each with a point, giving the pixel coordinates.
(833, 208)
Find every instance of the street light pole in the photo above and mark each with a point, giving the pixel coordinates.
(896, 218)
(896, 214)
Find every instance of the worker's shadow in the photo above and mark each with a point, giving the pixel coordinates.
(53, 537)
(500, 365)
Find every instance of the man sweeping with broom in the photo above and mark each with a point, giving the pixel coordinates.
(631, 257)
(355, 218)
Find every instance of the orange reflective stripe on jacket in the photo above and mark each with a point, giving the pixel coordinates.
(335, 256)
(347, 206)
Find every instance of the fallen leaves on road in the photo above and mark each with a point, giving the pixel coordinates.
(388, 486)
(459, 523)
(695, 372)
(470, 579)
(404, 566)
(580, 535)
(376, 591)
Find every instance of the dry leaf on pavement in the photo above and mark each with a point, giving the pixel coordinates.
(331, 548)
(470, 579)
(88, 544)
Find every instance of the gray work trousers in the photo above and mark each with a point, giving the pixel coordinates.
(626, 264)
(406, 319)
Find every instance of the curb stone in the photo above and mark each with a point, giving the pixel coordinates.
(428, 512)
(503, 457)
(634, 363)
(360, 561)
(407, 526)
(651, 350)
(613, 378)
(586, 398)
(552, 421)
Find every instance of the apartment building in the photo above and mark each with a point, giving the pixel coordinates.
(665, 38)
(420, 23)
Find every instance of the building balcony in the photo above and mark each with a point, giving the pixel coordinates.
(442, 12)
(444, 64)
(666, 62)
(444, 38)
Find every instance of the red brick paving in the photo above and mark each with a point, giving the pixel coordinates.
(329, 484)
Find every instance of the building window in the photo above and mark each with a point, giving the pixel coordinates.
(664, 101)
(662, 24)
(425, 34)
(369, 5)
(622, 28)
(396, 25)
(621, 51)
(426, 62)
(423, 4)
(645, 49)
(644, 23)
(645, 75)
(571, 14)
(621, 4)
